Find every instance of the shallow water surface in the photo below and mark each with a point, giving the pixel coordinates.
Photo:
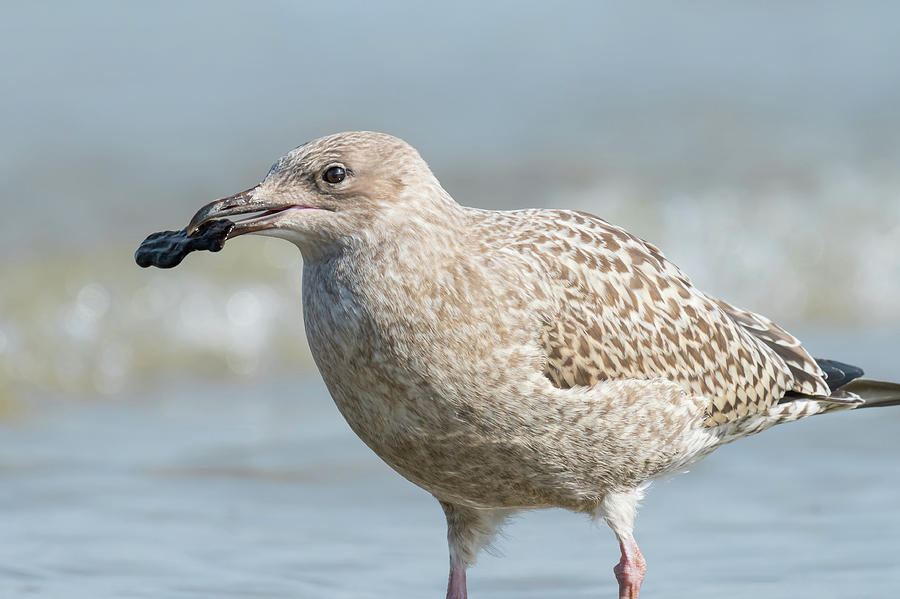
(263, 491)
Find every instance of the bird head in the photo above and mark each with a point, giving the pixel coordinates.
(332, 189)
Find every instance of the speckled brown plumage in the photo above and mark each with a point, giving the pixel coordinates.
(650, 321)
(514, 360)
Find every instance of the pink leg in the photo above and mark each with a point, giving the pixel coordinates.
(456, 587)
(630, 569)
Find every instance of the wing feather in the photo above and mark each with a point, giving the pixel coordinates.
(622, 310)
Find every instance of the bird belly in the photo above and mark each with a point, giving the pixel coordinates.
(542, 459)
(424, 440)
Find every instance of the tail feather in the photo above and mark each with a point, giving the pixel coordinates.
(837, 374)
(875, 394)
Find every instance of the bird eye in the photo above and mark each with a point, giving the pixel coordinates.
(334, 174)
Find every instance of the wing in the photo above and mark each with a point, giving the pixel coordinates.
(809, 378)
(623, 311)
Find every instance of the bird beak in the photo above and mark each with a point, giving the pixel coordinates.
(241, 203)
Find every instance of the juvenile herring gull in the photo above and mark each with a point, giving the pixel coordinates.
(513, 360)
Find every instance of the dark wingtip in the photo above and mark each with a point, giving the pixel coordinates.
(838, 374)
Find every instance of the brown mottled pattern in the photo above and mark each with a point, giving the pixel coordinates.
(623, 311)
(808, 377)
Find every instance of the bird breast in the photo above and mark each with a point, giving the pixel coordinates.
(416, 362)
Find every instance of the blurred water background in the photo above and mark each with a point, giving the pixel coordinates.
(164, 432)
